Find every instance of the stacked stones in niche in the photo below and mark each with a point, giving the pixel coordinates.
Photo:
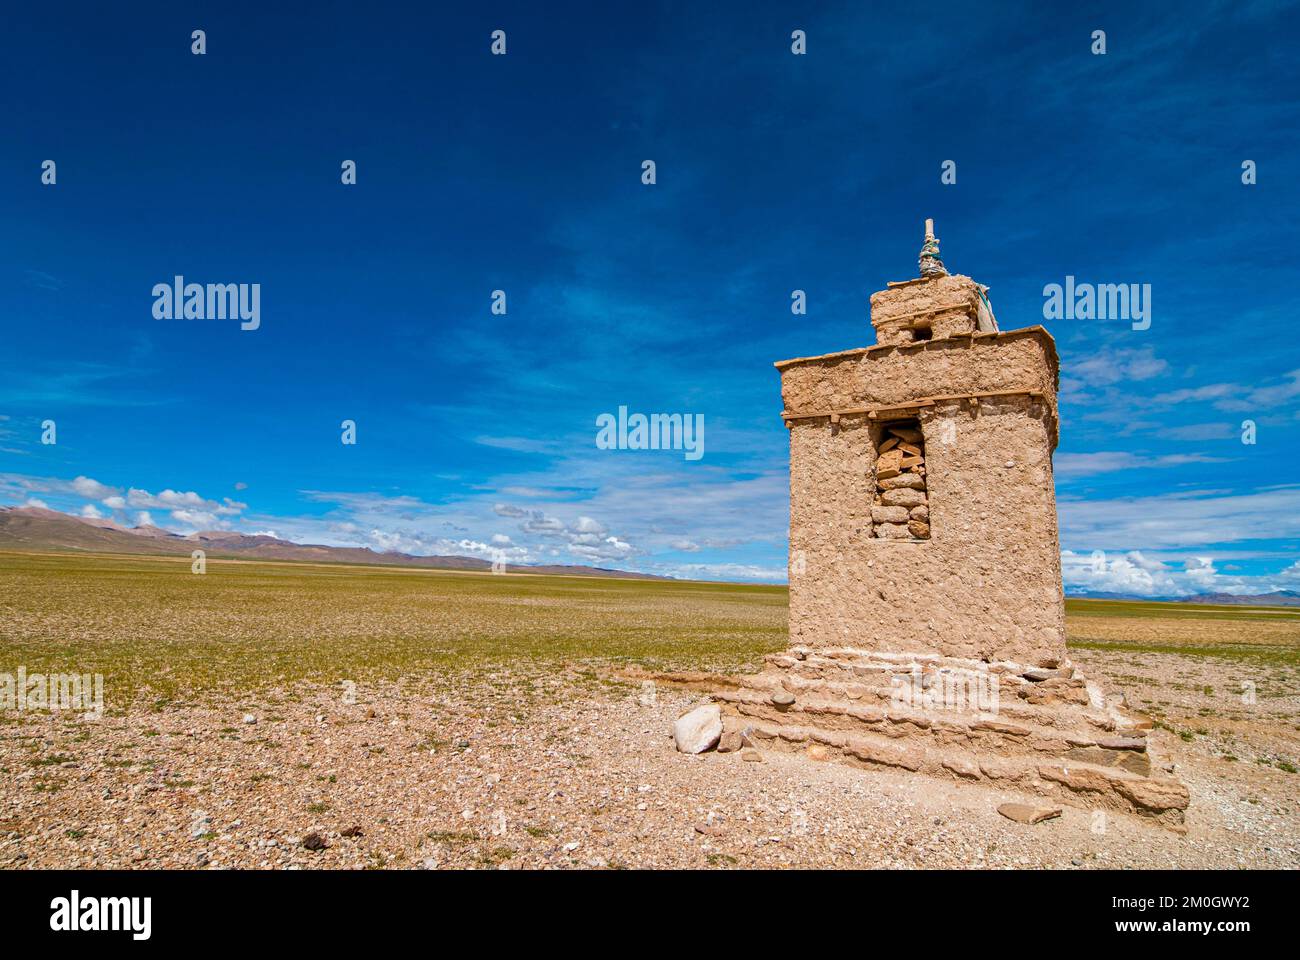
(901, 510)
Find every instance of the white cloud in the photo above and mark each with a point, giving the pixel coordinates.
(92, 489)
(34, 502)
(186, 507)
(724, 571)
(1237, 397)
(198, 520)
(519, 444)
(1201, 573)
(585, 538)
(90, 512)
(389, 542)
(1139, 574)
(1087, 464)
(419, 545)
(1204, 431)
(1121, 573)
(542, 525)
(579, 508)
(169, 499)
(1108, 461)
(84, 487)
(588, 525)
(1191, 519)
(606, 511)
(601, 548)
(1115, 365)
(372, 503)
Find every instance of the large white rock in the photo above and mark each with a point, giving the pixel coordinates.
(698, 730)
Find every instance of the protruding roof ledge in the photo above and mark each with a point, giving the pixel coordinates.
(1038, 331)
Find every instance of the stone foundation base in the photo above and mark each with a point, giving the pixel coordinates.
(1035, 730)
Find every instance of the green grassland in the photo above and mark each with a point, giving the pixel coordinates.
(155, 629)
(1168, 611)
(1258, 636)
(152, 627)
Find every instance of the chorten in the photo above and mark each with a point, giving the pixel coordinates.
(926, 612)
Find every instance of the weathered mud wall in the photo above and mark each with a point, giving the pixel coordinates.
(874, 376)
(987, 584)
(947, 306)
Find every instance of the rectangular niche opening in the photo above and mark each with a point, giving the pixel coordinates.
(901, 508)
(922, 332)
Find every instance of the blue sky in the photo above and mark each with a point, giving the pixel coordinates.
(476, 432)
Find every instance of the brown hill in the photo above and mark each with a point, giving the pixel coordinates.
(1283, 598)
(34, 528)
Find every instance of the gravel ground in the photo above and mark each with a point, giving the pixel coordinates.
(583, 776)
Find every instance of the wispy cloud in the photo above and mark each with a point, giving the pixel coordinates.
(1181, 520)
(1112, 365)
(1237, 397)
(1109, 461)
(74, 384)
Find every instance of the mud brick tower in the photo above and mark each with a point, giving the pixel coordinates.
(922, 512)
(926, 611)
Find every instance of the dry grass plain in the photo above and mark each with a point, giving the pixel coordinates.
(425, 718)
(156, 630)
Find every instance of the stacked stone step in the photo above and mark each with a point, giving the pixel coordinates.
(1050, 732)
(901, 509)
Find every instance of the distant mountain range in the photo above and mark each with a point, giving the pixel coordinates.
(34, 528)
(1283, 598)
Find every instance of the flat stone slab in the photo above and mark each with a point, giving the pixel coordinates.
(1039, 674)
(1027, 813)
(1051, 753)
